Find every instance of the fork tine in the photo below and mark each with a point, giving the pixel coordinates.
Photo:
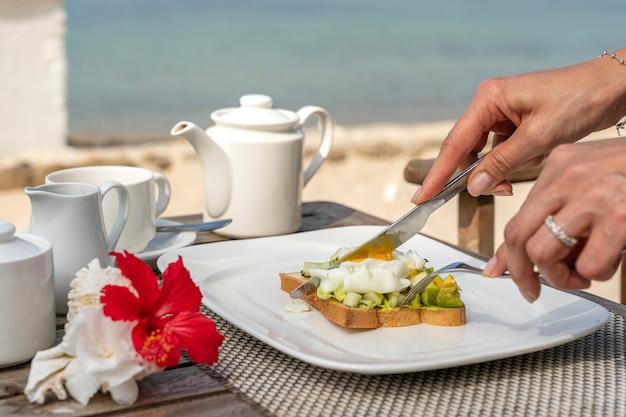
(423, 283)
(421, 286)
(418, 288)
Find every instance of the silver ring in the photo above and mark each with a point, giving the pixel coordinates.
(559, 233)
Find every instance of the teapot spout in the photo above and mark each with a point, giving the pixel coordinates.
(215, 164)
(192, 133)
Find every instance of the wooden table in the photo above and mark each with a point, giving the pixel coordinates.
(586, 377)
(182, 391)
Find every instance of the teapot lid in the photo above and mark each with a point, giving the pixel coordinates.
(255, 111)
(20, 246)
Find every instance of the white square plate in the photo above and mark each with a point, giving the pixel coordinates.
(239, 280)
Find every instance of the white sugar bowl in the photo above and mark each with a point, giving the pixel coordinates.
(27, 314)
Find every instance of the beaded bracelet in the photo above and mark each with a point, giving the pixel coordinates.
(622, 124)
(612, 55)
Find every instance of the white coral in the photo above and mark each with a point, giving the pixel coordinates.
(86, 286)
(104, 357)
(46, 374)
(95, 353)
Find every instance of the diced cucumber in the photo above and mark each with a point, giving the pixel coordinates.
(417, 278)
(352, 299)
(374, 297)
(392, 299)
(371, 300)
(339, 294)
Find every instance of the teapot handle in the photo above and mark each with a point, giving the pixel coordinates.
(326, 127)
(122, 211)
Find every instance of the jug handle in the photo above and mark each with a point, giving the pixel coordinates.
(326, 127)
(122, 211)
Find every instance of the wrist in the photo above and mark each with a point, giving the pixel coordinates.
(614, 75)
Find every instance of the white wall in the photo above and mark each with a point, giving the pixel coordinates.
(33, 69)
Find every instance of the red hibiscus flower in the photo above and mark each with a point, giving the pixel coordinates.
(168, 318)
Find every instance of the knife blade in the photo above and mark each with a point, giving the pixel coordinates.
(195, 227)
(398, 232)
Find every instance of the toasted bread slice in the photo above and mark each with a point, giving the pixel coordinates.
(358, 318)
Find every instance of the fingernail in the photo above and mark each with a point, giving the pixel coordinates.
(502, 193)
(530, 296)
(488, 270)
(417, 194)
(481, 183)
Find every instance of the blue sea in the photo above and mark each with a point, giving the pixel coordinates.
(143, 65)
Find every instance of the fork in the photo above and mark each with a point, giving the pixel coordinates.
(423, 283)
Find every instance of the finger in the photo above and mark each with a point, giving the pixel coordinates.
(526, 278)
(601, 239)
(497, 264)
(517, 233)
(442, 170)
(602, 252)
(553, 257)
(544, 198)
(460, 147)
(522, 273)
(500, 162)
(532, 162)
(504, 188)
(446, 163)
(562, 276)
(498, 139)
(503, 128)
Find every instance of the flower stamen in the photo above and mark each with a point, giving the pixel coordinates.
(157, 346)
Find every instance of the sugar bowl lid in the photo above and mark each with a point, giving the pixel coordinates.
(20, 246)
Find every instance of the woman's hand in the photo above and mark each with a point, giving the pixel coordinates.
(583, 186)
(529, 114)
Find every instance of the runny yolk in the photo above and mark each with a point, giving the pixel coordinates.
(382, 252)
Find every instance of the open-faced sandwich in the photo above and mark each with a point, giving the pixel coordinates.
(367, 293)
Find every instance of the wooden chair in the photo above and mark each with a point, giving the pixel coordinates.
(476, 215)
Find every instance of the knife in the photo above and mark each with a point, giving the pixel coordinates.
(195, 227)
(398, 232)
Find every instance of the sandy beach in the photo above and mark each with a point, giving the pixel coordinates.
(364, 170)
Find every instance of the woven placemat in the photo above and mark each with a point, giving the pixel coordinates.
(586, 377)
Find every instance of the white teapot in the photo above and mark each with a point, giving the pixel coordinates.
(252, 164)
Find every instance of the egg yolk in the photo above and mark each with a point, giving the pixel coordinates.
(382, 252)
